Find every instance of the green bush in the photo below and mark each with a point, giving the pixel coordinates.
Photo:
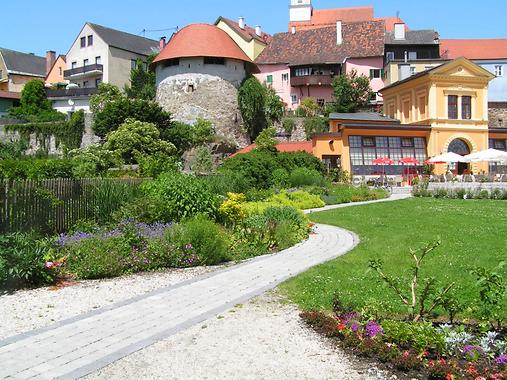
(36, 169)
(305, 177)
(343, 193)
(280, 178)
(421, 336)
(314, 125)
(22, 261)
(226, 181)
(300, 200)
(180, 196)
(288, 125)
(14, 149)
(198, 241)
(96, 258)
(257, 166)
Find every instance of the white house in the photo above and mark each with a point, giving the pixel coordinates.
(99, 54)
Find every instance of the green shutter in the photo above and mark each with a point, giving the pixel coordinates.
(371, 73)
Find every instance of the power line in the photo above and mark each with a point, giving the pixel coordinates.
(143, 32)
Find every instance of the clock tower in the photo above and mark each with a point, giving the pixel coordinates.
(300, 10)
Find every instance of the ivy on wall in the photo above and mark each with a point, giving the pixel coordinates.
(67, 134)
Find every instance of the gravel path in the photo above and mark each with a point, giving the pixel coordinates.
(262, 339)
(26, 310)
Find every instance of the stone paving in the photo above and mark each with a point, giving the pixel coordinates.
(76, 347)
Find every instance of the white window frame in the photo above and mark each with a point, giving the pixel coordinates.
(499, 70)
(294, 99)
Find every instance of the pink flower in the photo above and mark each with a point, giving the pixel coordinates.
(49, 265)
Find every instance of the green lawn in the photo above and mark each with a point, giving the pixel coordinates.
(473, 233)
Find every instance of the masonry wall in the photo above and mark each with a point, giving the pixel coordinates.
(497, 115)
(193, 90)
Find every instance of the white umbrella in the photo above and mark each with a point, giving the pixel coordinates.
(489, 155)
(447, 158)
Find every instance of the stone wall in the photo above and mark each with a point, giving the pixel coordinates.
(89, 138)
(191, 96)
(297, 135)
(498, 115)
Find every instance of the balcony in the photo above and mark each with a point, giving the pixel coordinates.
(311, 80)
(71, 92)
(84, 71)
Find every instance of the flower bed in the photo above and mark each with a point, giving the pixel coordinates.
(422, 350)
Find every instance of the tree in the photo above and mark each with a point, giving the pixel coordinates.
(203, 161)
(142, 81)
(315, 124)
(34, 105)
(252, 101)
(351, 92)
(185, 136)
(111, 109)
(274, 106)
(134, 139)
(310, 106)
(266, 139)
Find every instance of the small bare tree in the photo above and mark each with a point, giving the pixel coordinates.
(420, 303)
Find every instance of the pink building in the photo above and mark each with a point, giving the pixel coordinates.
(303, 63)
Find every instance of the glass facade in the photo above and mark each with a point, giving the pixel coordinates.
(498, 144)
(365, 149)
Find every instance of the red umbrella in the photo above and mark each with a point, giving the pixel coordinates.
(383, 161)
(409, 161)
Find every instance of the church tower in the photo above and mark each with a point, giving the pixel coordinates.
(300, 10)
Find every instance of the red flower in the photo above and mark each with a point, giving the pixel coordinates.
(342, 327)
(449, 376)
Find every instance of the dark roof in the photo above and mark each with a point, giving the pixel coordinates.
(391, 126)
(362, 116)
(29, 64)
(414, 37)
(126, 41)
(248, 34)
(360, 39)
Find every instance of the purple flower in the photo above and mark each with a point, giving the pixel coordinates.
(373, 329)
(501, 359)
(472, 353)
(355, 326)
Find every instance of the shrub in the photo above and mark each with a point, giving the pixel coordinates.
(14, 149)
(226, 181)
(266, 139)
(36, 169)
(305, 177)
(314, 125)
(205, 239)
(180, 196)
(292, 160)
(135, 138)
(300, 200)
(22, 261)
(92, 161)
(288, 125)
(230, 210)
(280, 178)
(419, 336)
(256, 167)
(203, 161)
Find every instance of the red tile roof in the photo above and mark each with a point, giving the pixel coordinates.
(248, 34)
(10, 95)
(318, 45)
(294, 146)
(390, 21)
(474, 49)
(201, 40)
(326, 17)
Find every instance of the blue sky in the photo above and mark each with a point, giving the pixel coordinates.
(53, 24)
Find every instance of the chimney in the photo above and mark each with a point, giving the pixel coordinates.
(339, 33)
(258, 30)
(50, 60)
(293, 30)
(241, 22)
(161, 43)
(399, 31)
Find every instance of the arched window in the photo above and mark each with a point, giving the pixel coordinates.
(459, 146)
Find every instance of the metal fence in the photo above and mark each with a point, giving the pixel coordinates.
(55, 205)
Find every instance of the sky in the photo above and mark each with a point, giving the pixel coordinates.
(35, 26)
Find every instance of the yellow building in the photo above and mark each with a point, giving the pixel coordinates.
(444, 109)
(251, 40)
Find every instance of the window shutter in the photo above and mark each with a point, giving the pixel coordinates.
(371, 73)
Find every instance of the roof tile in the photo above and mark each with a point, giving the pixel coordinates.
(474, 49)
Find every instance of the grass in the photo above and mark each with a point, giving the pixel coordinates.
(473, 233)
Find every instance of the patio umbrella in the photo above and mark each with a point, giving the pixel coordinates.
(488, 155)
(446, 158)
(411, 161)
(383, 161)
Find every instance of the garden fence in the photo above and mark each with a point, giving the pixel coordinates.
(55, 205)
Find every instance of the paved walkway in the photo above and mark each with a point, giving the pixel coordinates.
(394, 197)
(76, 347)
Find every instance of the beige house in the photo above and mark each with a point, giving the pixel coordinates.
(99, 55)
(17, 68)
